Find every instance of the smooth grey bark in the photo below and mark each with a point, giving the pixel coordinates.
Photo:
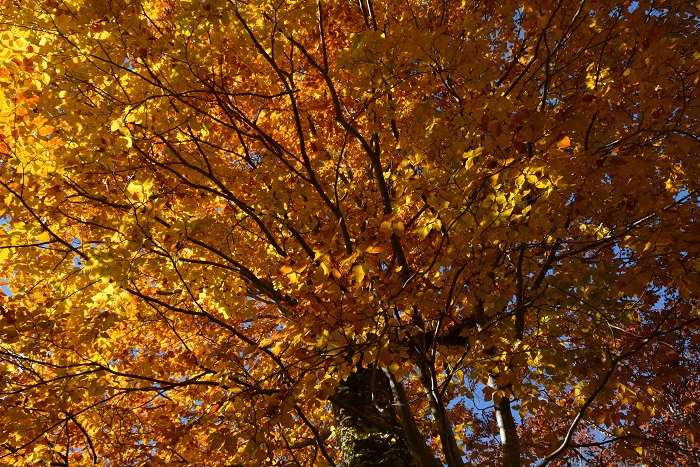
(416, 443)
(368, 429)
(453, 455)
(510, 446)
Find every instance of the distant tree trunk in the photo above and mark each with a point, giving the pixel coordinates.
(369, 432)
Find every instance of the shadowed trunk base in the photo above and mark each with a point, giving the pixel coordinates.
(367, 426)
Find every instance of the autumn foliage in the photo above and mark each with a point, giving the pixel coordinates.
(220, 217)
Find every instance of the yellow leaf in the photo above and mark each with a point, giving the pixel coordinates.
(278, 347)
(385, 227)
(43, 237)
(359, 272)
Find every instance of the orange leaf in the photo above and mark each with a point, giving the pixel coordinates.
(46, 130)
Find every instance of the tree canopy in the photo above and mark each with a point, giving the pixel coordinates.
(242, 232)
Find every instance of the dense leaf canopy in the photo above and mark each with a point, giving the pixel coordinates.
(214, 212)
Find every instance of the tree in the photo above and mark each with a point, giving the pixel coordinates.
(312, 233)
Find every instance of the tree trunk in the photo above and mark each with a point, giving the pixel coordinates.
(510, 447)
(369, 432)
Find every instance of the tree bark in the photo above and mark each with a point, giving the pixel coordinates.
(368, 429)
(510, 446)
(416, 442)
(449, 444)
